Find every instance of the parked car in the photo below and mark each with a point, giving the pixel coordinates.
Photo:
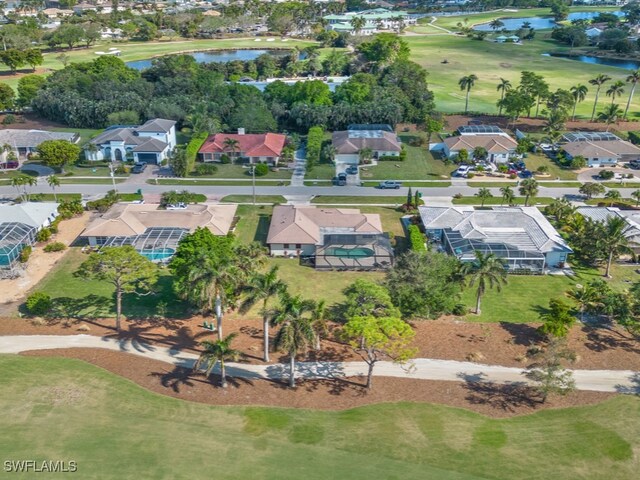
(462, 170)
(176, 206)
(138, 167)
(520, 165)
(526, 174)
(634, 164)
(488, 166)
(340, 180)
(389, 184)
(9, 165)
(352, 170)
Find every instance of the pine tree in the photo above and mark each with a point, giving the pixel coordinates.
(409, 198)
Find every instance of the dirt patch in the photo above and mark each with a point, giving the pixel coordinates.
(485, 398)
(505, 65)
(448, 339)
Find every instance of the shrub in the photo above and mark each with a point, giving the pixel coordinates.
(471, 175)
(103, 204)
(403, 153)
(206, 169)
(390, 158)
(194, 145)
(261, 169)
(543, 169)
(55, 247)
(634, 137)
(69, 208)
(607, 174)
(121, 170)
(43, 235)
(225, 159)
(314, 146)
(416, 239)
(25, 254)
(578, 162)
(173, 197)
(53, 227)
(9, 119)
(460, 309)
(38, 303)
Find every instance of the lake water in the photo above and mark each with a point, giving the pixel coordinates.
(610, 62)
(217, 56)
(540, 23)
(333, 82)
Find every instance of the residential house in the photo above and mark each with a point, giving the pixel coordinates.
(599, 148)
(255, 147)
(348, 144)
(156, 232)
(22, 143)
(331, 238)
(632, 217)
(499, 145)
(151, 142)
(521, 236)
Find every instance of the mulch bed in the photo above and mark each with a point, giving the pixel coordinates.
(485, 398)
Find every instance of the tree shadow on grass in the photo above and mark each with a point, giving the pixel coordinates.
(522, 333)
(264, 219)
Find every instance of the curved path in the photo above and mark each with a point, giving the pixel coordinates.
(623, 381)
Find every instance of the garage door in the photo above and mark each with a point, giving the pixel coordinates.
(147, 157)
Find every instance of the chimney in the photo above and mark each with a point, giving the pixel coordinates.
(241, 131)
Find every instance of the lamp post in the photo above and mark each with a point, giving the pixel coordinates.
(253, 177)
(113, 177)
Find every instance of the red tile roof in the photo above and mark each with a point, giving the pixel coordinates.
(250, 145)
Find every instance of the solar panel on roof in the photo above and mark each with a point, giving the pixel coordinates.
(480, 129)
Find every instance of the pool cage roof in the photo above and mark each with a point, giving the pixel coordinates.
(153, 239)
(381, 255)
(14, 236)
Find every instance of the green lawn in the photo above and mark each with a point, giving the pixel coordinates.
(49, 197)
(238, 171)
(89, 181)
(323, 171)
(56, 408)
(429, 184)
(535, 160)
(94, 299)
(491, 61)
(211, 182)
(419, 165)
(254, 222)
(492, 184)
(249, 199)
(338, 200)
(89, 171)
(544, 184)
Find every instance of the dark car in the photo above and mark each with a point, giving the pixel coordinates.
(526, 174)
(138, 167)
(9, 165)
(352, 170)
(340, 180)
(634, 164)
(520, 165)
(389, 184)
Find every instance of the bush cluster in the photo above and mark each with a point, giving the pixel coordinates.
(55, 247)
(203, 169)
(261, 169)
(416, 239)
(38, 303)
(25, 254)
(314, 146)
(43, 235)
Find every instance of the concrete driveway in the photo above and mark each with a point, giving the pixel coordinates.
(591, 174)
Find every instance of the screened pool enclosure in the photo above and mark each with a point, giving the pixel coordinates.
(158, 244)
(14, 237)
(354, 252)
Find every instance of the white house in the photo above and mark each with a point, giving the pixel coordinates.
(499, 145)
(599, 149)
(149, 143)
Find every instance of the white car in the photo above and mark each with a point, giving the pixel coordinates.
(463, 170)
(177, 206)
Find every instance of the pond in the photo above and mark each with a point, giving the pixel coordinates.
(609, 62)
(217, 56)
(540, 23)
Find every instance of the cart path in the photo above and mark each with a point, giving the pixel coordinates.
(622, 381)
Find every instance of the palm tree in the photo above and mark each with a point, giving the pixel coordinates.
(633, 78)
(466, 83)
(584, 297)
(503, 87)
(598, 82)
(613, 239)
(528, 188)
(358, 23)
(616, 90)
(296, 332)
(496, 24)
(579, 93)
(216, 352)
(21, 183)
(507, 195)
(263, 287)
(636, 195)
(487, 271)
(613, 195)
(483, 194)
(231, 144)
(610, 114)
(319, 321)
(560, 209)
(53, 182)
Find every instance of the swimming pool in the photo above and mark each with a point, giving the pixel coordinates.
(159, 254)
(355, 252)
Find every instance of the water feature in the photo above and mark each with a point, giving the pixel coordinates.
(217, 56)
(540, 23)
(609, 62)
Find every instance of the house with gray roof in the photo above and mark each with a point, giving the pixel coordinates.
(599, 149)
(349, 143)
(151, 142)
(24, 142)
(521, 236)
(632, 217)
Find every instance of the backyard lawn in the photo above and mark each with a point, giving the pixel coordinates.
(56, 408)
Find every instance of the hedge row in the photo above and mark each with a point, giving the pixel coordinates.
(416, 239)
(314, 146)
(193, 147)
(634, 137)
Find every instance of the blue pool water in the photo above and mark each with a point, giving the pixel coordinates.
(159, 254)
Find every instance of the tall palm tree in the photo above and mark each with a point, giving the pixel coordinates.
(358, 23)
(466, 83)
(319, 321)
(598, 82)
(483, 194)
(53, 182)
(616, 90)
(211, 281)
(263, 287)
(612, 195)
(486, 271)
(528, 188)
(296, 332)
(22, 183)
(633, 78)
(613, 240)
(503, 87)
(579, 93)
(496, 24)
(507, 195)
(216, 352)
(584, 297)
(610, 114)
(636, 196)
(231, 144)
(560, 209)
